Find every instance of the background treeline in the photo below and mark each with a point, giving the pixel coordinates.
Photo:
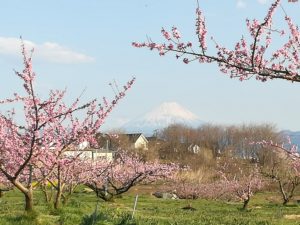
(198, 147)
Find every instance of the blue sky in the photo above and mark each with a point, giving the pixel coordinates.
(87, 44)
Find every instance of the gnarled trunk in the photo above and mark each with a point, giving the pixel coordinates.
(48, 195)
(59, 189)
(245, 205)
(28, 193)
(57, 198)
(29, 200)
(105, 196)
(285, 197)
(102, 192)
(285, 201)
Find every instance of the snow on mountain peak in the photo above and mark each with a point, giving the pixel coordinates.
(170, 110)
(164, 115)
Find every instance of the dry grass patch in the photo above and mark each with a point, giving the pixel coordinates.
(292, 217)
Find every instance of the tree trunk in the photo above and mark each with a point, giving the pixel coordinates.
(65, 199)
(285, 201)
(59, 189)
(46, 193)
(57, 198)
(108, 198)
(1, 193)
(28, 193)
(102, 193)
(245, 205)
(29, 200)
(59, 193)
(284, 195)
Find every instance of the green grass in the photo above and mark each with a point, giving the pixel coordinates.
(81, 210)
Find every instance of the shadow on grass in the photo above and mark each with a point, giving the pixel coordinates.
(93, 219)
(103, 218)
(26, 218)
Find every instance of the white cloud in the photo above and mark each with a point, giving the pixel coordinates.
(262, 1)
(241, 4)
(48, 51)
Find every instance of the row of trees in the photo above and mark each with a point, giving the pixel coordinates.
(233, 181)
(51, 127)
(32, 154)
(235, 178)
(179, 142)
(106, 178)
(233, 162)
(252, 56)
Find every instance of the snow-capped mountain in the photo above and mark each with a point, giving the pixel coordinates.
(164, 115)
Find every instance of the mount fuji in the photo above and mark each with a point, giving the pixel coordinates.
(162, 116)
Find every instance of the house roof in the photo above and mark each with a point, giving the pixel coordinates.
(155, 139)
(104, 139)
(134, 136)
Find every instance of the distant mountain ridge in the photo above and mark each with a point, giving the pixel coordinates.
(162, 116)
(294, 136)
(169, 113)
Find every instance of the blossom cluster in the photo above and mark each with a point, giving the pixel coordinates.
(251, 57)
(50, 128)
(286, 150)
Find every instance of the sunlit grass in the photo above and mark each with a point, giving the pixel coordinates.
(81, 209)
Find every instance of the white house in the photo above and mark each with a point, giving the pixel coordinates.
(86, 151)
(105, 146)
(91, 153)
(83, 145)
(138, 141)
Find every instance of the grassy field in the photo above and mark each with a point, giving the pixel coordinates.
(84, 209)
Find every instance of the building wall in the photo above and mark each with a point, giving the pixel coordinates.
(141, 143)
(108, 155)
(91, 154)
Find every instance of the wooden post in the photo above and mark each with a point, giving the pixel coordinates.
(134, 207)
